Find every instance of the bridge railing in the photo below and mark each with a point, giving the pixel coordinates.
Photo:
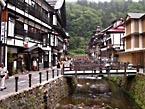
(90, 66)
(101, 70)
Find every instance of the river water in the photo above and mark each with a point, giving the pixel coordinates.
(93, 93)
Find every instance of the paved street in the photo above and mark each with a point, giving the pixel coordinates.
(23, 81)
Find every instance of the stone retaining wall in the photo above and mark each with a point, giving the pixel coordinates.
(135, 86)
(44, 96)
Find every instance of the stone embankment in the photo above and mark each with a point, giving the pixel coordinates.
(44, 96)
(135, 87)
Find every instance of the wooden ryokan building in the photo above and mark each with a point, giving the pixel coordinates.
(134, 39)
(32, 30)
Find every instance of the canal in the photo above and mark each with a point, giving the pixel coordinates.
(96, 93)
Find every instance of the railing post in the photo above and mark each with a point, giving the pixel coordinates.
(70, 66)
(125, 73)
(137, 68)
(57, 72)
(100, 70)
(30, 77)
(16, 83)
(84, 71)
(40, 79)
(117, 70)
(92, 72)
(108, 71)
(52, 73)
(47, 75)
(75, 73)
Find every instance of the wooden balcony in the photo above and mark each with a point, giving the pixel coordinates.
(32, 35)
(20, 32)
(32, 10)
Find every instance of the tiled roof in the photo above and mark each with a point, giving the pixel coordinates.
(135, 15)
(52, 2)
(57, 4)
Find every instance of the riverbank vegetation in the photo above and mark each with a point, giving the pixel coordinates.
(135, 87)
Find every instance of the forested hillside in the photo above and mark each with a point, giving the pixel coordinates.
(83, 17)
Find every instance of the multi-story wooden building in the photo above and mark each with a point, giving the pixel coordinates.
(134, 39)
(112, 40)
(32, 30)
(106, 44)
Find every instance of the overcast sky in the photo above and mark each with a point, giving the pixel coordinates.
(93, 0)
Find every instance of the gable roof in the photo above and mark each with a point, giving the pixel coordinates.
(57, 4)
(33, 48)
(51, 2)
(135, 15)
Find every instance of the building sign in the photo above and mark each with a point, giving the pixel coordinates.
(3, 32)
(4, 19)
(26, 40)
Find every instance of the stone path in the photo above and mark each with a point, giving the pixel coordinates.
(23, 81)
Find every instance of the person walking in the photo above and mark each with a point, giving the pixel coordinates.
(3, 75)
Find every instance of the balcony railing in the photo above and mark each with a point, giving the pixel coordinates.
(35, 36)
(20, 32)
(32, 35)
(36, 12)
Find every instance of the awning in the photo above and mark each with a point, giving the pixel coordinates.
(34, 49)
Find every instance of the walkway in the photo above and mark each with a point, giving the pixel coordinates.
(23, 81)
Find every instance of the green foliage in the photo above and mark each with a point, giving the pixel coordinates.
(82, 20)
(136, 88)
(77, 51)
(83, 17)
(135, 7)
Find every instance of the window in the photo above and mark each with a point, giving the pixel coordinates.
(128, 43)
(51, 40)
(19, 28)
(136, 26)
(136, 41)
(128, 28)
(26, 27)
(11, 27)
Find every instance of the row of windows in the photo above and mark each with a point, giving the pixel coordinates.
(33, 8)
(136, 42)
(135, 28)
